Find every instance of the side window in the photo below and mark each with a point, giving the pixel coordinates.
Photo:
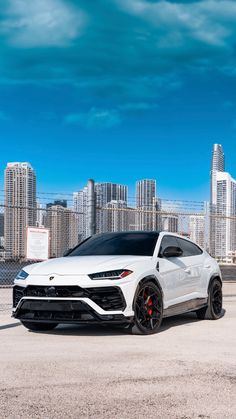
(189, 249)
(166, 242)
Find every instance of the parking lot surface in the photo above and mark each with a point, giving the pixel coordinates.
(187, 370)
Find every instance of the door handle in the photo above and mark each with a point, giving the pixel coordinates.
(187, 271)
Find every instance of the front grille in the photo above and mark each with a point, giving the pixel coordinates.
(55, 310)
(57, 291)
(62, 312)
(108, 298)
(18, 293)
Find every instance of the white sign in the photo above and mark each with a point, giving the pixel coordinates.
(37, 243)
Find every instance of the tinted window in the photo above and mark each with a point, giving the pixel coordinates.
(166, 242)
(189, 249)
(138, 244)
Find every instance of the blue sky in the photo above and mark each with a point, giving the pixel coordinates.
(118, 91)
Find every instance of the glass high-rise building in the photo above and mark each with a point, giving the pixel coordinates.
(106, 193)
(222, 208)
(217, 165)
(225, 217)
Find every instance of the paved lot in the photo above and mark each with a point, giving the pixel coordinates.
(188, 370)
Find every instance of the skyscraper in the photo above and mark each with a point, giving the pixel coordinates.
(197, 229)
(63, 227)
(105, 193)
(115, 216)
(20, 207)
(222, 209)
(1, 225)
(80, 200)
(170, 223)
(225, 217)
(146, 204)
(217, 165)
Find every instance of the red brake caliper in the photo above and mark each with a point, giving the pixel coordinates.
(149, 304)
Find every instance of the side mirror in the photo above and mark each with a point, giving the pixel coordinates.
(172, 251)
(66, 252)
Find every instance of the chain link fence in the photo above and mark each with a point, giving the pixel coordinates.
(66, 228)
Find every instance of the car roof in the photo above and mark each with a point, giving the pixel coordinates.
(150, 233)
(117, 233)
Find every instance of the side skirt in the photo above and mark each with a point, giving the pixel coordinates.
(185, 307)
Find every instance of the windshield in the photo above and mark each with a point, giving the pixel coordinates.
(135, 243)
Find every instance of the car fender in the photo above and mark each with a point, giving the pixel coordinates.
(214, 276)
(154, 279)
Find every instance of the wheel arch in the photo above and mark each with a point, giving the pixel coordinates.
(154, 280)
(213, 277)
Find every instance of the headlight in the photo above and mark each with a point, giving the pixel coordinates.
(22, 275)
(119, 274)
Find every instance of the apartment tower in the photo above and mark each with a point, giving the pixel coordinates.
(106, 193)
(217, 165)
(20, 207)
(146, 204)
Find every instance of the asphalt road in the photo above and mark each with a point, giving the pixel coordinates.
(187, 370)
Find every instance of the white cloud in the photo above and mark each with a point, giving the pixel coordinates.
(95, 118)
(210, 21)
(42, 23)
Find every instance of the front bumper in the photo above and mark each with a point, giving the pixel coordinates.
(70, 304)
(48, 311)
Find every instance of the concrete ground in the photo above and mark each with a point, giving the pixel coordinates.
(187, 370)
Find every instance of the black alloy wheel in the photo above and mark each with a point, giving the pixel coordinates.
(148, 308)
(213, 310)
(217, 298)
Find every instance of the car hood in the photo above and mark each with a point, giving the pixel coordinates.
(79, 265)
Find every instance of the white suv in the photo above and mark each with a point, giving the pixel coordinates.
(130, 278)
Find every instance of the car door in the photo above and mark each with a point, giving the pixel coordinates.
(192, 261)
(171, 271)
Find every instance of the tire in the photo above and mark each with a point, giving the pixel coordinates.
(214, 306)
(148, 309)
(39, 327)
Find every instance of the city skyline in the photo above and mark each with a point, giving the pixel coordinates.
(47, 196)
(107, 207)
(47, 199)
(168, 190)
